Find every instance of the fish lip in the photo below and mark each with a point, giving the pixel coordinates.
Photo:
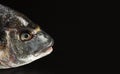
(45, 50)
(49, 46)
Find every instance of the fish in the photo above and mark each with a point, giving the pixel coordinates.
(21, 40)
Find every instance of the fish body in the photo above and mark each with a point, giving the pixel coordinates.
(21, 40)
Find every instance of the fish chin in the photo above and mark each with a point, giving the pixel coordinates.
(32, 57)
(44, 52)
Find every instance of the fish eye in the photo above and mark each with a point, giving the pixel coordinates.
(25, 36)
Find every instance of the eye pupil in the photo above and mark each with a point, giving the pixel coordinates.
(26, 35)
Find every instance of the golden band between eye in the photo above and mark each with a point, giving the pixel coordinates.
(37, 29)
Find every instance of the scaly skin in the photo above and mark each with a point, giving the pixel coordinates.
(21, 40)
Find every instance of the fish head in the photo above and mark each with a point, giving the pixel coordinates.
(25, 42)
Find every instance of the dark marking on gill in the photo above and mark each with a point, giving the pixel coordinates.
(3, 41)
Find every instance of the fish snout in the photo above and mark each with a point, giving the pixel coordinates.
(45, 42)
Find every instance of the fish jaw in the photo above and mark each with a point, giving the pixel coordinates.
(30, 59)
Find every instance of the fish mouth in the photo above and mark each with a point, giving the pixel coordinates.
(45, 51)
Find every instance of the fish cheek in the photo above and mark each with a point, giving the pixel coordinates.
(36, 44)
(32, 45)
(24, 48)
(17, 46)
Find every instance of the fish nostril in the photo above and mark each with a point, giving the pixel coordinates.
(44, 34)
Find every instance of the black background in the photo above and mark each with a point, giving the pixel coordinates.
(80, 34)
